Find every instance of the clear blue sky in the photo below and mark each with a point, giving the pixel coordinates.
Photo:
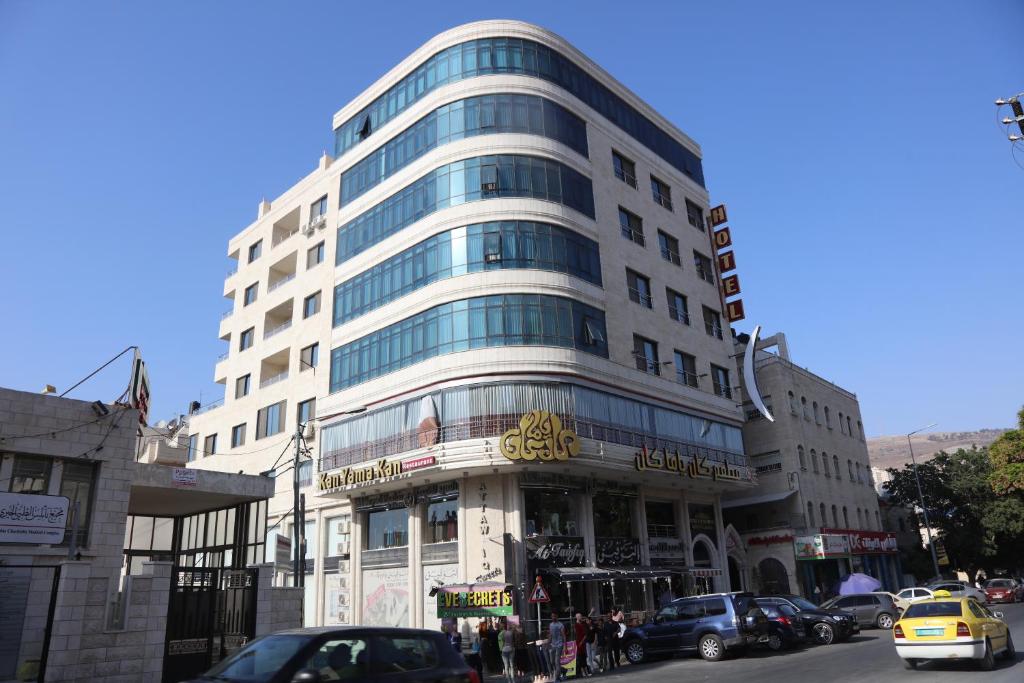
(875, 208)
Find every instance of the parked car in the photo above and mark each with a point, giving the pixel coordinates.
(948, 627)
(900, 603)
(824, 626)
(786, 629)
(355, 654)
(711, 625)
(959, 589)
(912, 595)
(1001, 590)
(870, 609)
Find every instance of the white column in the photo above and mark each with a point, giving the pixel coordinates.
(721, 582)
(356, 562)
(645, 551)
(463, 530)
(318, 566)
(415, 565)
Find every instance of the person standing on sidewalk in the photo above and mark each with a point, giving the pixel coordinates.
(556, 642)
(521, 658)
(507, 649)
(591, 645)
(611, 633)
(580, 631)
(601, 645)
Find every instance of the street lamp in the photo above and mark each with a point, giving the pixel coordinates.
(920, 497)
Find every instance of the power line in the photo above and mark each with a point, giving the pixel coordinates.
(97, 370)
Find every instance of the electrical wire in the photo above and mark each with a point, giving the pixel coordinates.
(53, 432)
(94, 372)
(114, 421)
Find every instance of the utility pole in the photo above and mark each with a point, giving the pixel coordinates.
(298, 523)
(924, 508)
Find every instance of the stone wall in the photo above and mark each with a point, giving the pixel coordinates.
(277, 608)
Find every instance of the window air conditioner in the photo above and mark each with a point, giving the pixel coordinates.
(310, 432)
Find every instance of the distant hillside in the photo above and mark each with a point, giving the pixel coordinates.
(892, 451)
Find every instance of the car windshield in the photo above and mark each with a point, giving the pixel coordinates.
(999, 583)
(933, 609)
(258, 661)
(802, 603)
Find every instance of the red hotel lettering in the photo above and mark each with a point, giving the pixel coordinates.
(723, 238)
(726, 262)
(717, 215)
(731, 285)
(734, 310)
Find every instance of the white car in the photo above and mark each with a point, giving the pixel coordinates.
(959, 589)
(907, 596)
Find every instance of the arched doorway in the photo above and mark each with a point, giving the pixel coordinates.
(735, 576)
(703, 558)
(772, 577)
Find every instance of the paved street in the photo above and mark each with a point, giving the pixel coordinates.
(867, 658)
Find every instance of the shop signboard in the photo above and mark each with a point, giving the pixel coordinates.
(666, 550)
(539, 436)
(348, 476)
(474, 601)
(868, 542)
(32, 518)
(702, 520)
(617, 552)
(555, 551)
(695, 467)
(821, 546)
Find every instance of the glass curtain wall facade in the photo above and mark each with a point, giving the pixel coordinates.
(486, 321)
(466, 118)
(474, 248)
(468, 180)
(514, 56)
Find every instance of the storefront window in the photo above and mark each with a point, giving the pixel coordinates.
(442, 521)
(613, 516)
(702, 520)
(551, 513)
(387, 529)
(338, 536)
(661, 520)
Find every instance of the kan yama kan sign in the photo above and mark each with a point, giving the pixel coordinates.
(722, 239)
(350, 476)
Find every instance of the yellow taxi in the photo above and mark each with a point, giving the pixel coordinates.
(945, 627)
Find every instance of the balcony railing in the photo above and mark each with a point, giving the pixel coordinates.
(210, 406)
(662, 531)
(664, 201)
(713, 330)
(282, 238)
(725, 392)
(626, 177)
(280, 283)
(687, 378)
(223, 356)
(227, 314)
(672, 256)
(232, 271)
(276, 330)
(679, 315)
(280, 377)
(636, 296)
(634, 236)
(644, 364)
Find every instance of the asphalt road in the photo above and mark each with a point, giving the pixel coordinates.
(867, 658)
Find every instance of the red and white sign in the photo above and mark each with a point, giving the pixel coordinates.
(418, 463)
(539, 593)
(869, 542)
(183, 476)
(139, 386)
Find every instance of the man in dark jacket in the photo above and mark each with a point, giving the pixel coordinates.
(611, 637)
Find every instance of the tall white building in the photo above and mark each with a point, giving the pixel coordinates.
(506, 264)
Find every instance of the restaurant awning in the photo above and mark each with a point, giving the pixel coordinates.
(645, 572)
(579, 573)
(756, 500)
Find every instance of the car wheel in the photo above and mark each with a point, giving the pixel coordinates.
(1009, 653)
(635, 652)
(910, 663)
(988, 662)
(824, 634)
(884, 620)
(775, 642)
(711, 648)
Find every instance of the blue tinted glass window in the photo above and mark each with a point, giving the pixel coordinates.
(474, 248)
(486, 321)
(466, 181)
(462, 119)
(513, 55)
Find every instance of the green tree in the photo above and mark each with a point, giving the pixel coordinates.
(1007, 454)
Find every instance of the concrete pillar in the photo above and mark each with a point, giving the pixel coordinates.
(317, 589)
(416, 513)
(640, 531)
(356, 559)
(721, 582)
(464, 530)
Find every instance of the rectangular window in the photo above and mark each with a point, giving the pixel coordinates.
(242, 386)
(720, 379)
(593, 334)
(311, 305)
(661, 192)
(309, 357)
(76, 484)
(238, 435)
(669, 248)
(306, 479)
(639, 288)
(712, 322)
(677, 308)
(255, 250)
(306, 410)
(315, 255)
(31, 474)
(492, 247)
(645, 352)
(193, 447)
(694, 215)
(210, 445)
(632, 227)
(245, 339)
(703, 265)
(442, 521)
(387, 529)
(686, 369)
(489, 178)
(625, 170)
(270, 420)
(250, 294)
(318, 209)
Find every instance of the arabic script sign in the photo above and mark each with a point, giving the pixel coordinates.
(696, 467)
(617, 552)
(540, 436)
(555, 551)
(821, 546)
(30, 518)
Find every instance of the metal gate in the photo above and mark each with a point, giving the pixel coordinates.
(23, 643)
(210, 614)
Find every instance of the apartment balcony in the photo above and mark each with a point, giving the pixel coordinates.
(282, 272)
(280, 283)
(274, 368)
(278, 319)
(279, 377)
(285, 228)
(267, 334)
(210, 406)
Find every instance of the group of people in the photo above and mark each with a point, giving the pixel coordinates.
(502, 648)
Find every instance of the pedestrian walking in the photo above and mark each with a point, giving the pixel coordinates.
(455, 638)
(601, 640)
(580, 633)
(612, 631)
(591, 645)
(492, 653)
(556, 642)
(507, 648)
(521, 658)
(473, 658)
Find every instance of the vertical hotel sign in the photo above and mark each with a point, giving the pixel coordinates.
(139, 387)
(722, 240)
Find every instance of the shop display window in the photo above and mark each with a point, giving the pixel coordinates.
(551, 513)
(442, 520)
(387, 529)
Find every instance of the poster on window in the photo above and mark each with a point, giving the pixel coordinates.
(386, 597)
(337, 601)
(436, 575)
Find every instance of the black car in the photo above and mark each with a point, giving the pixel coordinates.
(786, 628)
(708, 624)
(356, 654)
(825, 626)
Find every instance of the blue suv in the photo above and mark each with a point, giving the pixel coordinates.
(709, 624)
